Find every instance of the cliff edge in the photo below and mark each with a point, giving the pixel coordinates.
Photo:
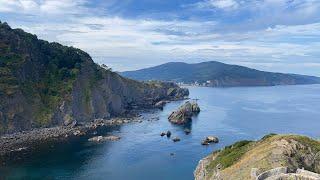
(45, 84)
(288, 155)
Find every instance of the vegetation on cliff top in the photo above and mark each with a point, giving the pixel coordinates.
(271, 151)
(43, 72)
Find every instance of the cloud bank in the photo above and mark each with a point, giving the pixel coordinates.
(275, 35)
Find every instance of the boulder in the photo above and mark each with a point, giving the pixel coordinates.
(205, 142)
(187, 131)
(184, 113)
(79, 133)
(176, 139)
(168, 134)
(74, 124)
(210, 139)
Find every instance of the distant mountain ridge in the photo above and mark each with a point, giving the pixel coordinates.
(217, 74)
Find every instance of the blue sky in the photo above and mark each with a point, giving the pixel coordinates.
(273, 35)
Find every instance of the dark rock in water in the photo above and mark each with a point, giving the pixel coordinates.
(176, 139)
(205, 142)
(171, 154)
(163, 134)
(184, 113)
(168, 134)
(210, 139)
(187, 131)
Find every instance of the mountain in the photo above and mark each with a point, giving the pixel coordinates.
(272, 157)
(45, 84)
(217, 74)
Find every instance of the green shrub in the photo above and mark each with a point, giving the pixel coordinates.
(230, 154)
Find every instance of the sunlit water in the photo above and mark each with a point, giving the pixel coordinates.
(232, 114)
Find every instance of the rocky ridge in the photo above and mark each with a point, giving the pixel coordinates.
(247, 159)
(46, 84)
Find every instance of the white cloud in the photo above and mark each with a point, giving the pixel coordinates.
(36, 7)
(9, 6)
(126, 43)
(220, 4)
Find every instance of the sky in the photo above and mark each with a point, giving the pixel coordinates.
(271, 35)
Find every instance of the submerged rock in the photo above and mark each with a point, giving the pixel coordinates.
(163, 134)
(176, 139)
(184, 113)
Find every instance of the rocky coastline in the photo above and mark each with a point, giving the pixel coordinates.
(27, 140)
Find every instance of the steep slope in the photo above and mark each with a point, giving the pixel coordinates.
(218, 74)
(44, 84)
(245, 159)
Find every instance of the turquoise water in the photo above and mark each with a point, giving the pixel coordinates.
(232, 114)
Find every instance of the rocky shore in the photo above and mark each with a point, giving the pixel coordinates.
(25, 141)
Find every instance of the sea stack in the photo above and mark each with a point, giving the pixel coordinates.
(184, 113)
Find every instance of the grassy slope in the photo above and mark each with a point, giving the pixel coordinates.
(237, 160)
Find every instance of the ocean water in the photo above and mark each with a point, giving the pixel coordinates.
(232, 114)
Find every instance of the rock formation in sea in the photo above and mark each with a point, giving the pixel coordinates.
(184, 113)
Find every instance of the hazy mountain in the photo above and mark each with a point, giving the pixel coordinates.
(218, 74)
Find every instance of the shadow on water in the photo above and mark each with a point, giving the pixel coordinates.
(66, 156)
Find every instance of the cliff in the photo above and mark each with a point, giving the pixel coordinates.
(272, 155)
(45, 84)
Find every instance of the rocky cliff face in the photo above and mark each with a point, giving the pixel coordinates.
(44, 84)
(247, 159)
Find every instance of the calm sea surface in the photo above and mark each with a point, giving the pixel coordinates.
(232, 114)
